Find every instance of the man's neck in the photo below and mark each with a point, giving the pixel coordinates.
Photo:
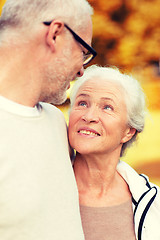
(18, 77)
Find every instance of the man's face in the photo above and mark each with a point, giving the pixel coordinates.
(64, 68)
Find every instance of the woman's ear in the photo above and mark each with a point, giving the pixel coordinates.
(54, 30)
(130, 132)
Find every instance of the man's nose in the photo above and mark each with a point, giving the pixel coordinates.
(81, 72)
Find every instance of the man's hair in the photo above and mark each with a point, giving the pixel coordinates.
(22, 13)
(133, 93)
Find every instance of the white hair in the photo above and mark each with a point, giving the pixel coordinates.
(23, 13)
(134, 96)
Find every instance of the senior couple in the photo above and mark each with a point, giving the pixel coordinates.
(43, 195)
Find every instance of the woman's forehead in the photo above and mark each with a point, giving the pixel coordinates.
(97, 85)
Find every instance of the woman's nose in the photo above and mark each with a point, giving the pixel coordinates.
(91, 115)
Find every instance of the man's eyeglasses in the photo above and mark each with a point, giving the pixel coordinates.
(87, 57)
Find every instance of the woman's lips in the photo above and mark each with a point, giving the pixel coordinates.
(88, 132)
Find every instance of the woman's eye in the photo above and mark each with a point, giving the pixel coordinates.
(108, 107)
(82, 103)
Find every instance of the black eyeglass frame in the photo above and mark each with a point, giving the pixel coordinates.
(80, 40)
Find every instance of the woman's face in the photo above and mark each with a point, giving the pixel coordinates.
(98, 118)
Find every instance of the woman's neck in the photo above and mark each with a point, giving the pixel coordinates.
(98, 181)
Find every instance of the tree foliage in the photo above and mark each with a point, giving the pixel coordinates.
(127, 34)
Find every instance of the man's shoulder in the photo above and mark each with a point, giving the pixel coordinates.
(50, 107)
(52, 111)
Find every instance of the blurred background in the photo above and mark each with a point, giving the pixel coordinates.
(126, 34)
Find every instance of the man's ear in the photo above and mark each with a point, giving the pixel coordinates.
(130, 132)
(54, 30)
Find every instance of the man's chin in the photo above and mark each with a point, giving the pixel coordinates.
(59, 100)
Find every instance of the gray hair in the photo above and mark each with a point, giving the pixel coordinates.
(134, 96)
(23, 13)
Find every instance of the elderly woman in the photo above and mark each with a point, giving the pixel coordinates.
(107, 113)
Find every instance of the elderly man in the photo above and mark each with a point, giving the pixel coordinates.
(44, 45)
